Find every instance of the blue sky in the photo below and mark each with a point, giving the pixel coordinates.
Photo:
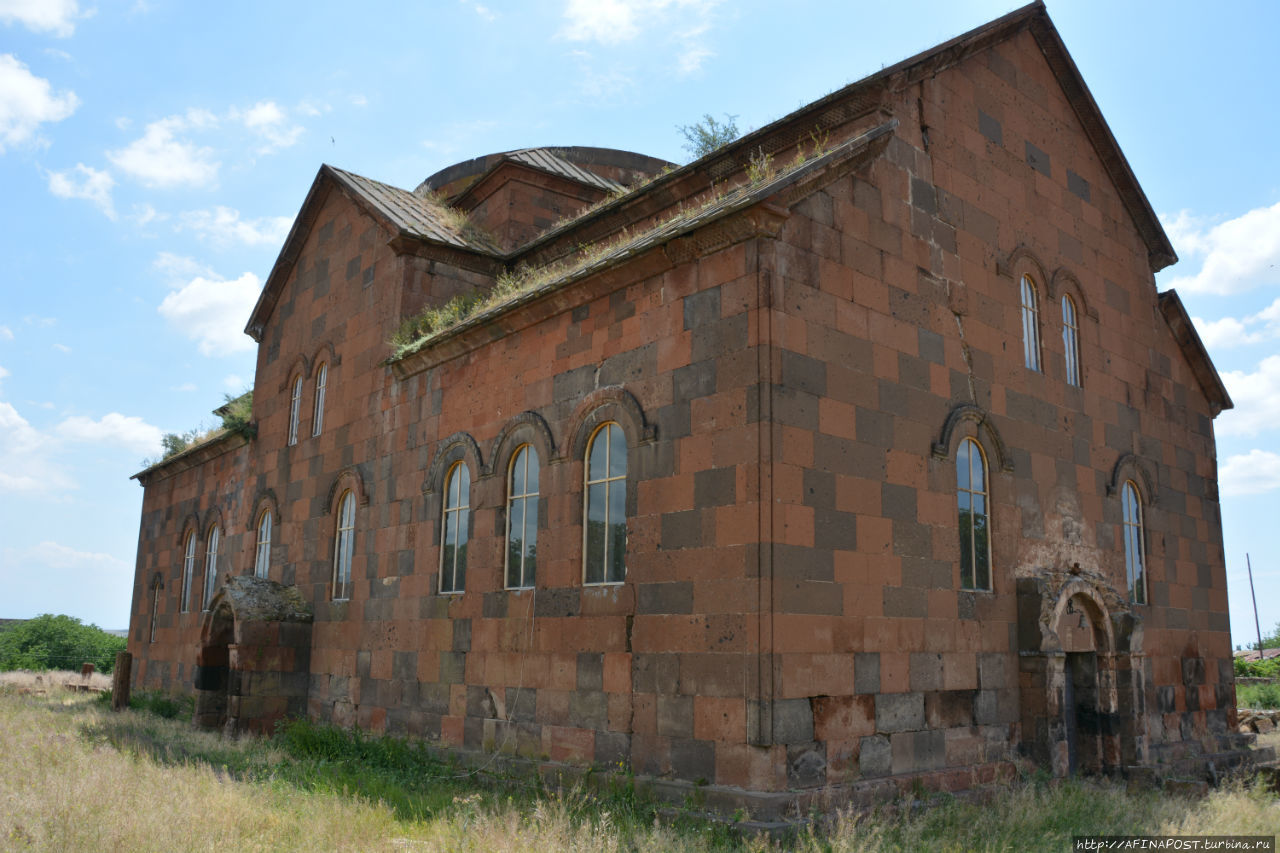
(153, 155)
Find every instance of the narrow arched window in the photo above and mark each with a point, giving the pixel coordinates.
(210, 567)
(317, 419)
(295, 409)
(344, 546)
(188, 571)
(457, 515)
(522, 519)
(156, 585)
(605, 529)
(1030, 323)
(1134, 556)
(974, 520)
(262, 555)
(1071, 340)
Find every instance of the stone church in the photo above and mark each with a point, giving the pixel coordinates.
(861, 453)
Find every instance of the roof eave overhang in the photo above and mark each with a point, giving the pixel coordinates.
(761, 211)
(402, 241)
(1193, 349)
(190, 458)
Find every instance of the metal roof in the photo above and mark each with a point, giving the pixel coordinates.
(548, 160)
(418, 216)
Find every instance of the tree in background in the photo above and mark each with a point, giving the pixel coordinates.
(707, 135)
(57, 642)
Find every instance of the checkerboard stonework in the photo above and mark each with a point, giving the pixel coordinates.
(859, 454)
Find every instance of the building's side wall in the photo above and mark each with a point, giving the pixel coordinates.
(191, 501)
(894, 307)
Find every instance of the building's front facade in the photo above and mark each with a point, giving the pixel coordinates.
(877, 459)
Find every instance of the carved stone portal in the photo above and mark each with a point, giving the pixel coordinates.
(254, 658)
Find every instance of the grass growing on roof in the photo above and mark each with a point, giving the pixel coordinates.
(414, 332)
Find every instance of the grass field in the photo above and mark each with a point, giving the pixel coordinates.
(75, 776)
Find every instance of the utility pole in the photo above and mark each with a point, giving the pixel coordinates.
(1254, 595)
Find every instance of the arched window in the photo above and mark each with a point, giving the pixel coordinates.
(317, 419)
(1134, 556)
(188, 571)
(975, 527)
(295, 409)
(344, 546)
(605, 529)
(1071, 340)
(522, 518)
(262, 555)
(1030, 323)
(156, 586)
(210, 567)
(457, 514)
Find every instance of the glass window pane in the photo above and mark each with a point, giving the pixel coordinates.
(617, 452)
(595, 533)
(531, 478)
(530, 542)
(617, 531)
(962, 465)
(597, 468)
(966, 550)
(515, 541)
(518, 472)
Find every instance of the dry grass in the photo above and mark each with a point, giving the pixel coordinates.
(77, 777)
(25, 679)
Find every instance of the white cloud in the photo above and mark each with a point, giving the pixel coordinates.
(27, 101)
(132, 433)
(213, 312)
(6, 333)
(1250, 473)
(25, 456)
(4, 374)
(159, 158)
(94, 186)
(176, 267)
(41, 322)
(1231, 332)
(223, 226)
(58, 556)
(1239, 254)
(144, 214)
(268, 121)
(62, 348)
(232, 382)
(1257, 399)
(184, 387)
(612, 22)
(311, 108)
(483, 11)
(57, 17)
(359, 100)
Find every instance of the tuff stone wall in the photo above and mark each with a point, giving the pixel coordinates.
(792, 384)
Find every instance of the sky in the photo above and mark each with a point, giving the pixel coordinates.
(153, 155)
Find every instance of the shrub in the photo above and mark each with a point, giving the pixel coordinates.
(58, 642)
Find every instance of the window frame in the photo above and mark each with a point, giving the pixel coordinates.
(527, 570)
(344, 539)
(156, 586)
(1135, 551)
(965, 486)
(295, 409)
(1029, 299)
(188, 571)
(262, 550)
(210, 566)
(461, 516)
(317, 415)
(607, 481)
(1071, 340)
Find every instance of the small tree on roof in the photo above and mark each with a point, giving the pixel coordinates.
(701, 138)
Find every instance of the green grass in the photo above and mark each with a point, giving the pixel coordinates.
(1258, 695)
(77, 776)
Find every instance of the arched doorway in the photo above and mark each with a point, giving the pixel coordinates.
(1081, 674)
(213, 666)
